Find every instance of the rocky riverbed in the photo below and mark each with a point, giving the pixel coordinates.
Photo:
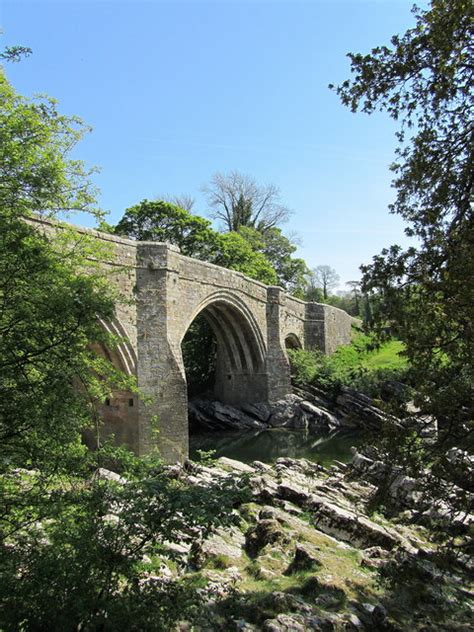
(307, 409)
(306, 553)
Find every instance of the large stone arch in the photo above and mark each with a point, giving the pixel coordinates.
(123, 355)
(241, 350)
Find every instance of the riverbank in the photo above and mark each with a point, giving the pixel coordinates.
(306, 553)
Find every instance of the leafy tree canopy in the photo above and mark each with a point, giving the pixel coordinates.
(162, 221)
(49, 305)
(291, 272)
(235, 252)
(424, 80)
(34, 141)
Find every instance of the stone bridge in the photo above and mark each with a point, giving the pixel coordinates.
(163, 292)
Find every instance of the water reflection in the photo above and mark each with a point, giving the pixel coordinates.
(270, 444)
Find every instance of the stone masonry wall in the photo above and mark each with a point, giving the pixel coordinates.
(162, 292)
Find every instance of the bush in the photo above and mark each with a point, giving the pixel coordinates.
(304, 365)
(362, 365)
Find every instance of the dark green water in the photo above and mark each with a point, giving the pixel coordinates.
(269, 445)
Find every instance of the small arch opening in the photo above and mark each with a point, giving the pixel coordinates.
(292, 346)
(293, 342)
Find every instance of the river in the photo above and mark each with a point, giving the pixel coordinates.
(270, 444)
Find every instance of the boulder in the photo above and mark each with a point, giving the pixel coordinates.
(107, 475)
(235, 466)
(321, 622)
(294, 493)
(267, 531)
(233, 417)
(305, 559)
(279, 601)
(262, 467)
(284, 623)
(285, 411)
(403, 490)
(456, 456)
(351, 527)
(319, 417)
(214, 415)
(374, 557)
(260, 411)
(264, 488)
(360, 410)
(225, 544)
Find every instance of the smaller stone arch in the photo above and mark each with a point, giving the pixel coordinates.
(292, 341)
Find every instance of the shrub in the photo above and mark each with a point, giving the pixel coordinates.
(362, 365)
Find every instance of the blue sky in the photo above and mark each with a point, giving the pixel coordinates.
(175, 91)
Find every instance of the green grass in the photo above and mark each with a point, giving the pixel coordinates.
(386, 357)
(361, 364)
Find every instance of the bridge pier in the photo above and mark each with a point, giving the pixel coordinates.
(163, 407)
(276, 361)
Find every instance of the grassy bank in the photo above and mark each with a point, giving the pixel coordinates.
(363, 365)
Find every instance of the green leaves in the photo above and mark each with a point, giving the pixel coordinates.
(235, 253)
(425, 294)
(278, 249)
(162, 221)
(36, 176)
(85, 563)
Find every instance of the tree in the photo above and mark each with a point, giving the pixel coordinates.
(345, 301)
(182, 200)
(71, 543)
(325, 278)
(355, 291)
(291, 272)
(49, 303)
(425, 293)
(313, 292)
(15, 53)
(235, 253)
(238, 200)
(162, 221)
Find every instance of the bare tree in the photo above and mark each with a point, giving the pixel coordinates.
(325, 277)
(238, 200)
(183, 201)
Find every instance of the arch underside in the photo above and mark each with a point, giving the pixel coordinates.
(240, 364)
(124, 357)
